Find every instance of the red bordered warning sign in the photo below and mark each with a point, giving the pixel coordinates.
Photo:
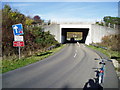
(18, 44)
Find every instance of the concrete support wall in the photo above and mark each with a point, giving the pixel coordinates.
(100, 31)
(54, 30)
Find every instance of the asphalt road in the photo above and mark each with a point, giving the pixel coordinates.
(72, 67)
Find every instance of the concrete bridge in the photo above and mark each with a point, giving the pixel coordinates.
(91, 32)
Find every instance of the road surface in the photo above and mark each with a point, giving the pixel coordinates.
(72, 67)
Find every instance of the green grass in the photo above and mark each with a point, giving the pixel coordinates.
(8, 65)
(108, 53)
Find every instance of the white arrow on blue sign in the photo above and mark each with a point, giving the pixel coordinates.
(17, 29)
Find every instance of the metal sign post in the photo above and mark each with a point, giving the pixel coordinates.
(18, 44)
(19, 51)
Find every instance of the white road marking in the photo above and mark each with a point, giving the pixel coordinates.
(75, 55)
(78, 44)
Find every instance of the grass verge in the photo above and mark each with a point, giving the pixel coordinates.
(8, 65)
(108, 53)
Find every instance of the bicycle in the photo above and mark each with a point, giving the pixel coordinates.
(102, 70)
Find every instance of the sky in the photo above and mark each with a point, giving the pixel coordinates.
(67, 11)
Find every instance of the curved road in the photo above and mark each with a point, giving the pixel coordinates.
(72, 67)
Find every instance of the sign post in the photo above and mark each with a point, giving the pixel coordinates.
(18, 38)
(19, 52)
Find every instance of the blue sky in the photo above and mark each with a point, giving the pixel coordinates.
(67, 11)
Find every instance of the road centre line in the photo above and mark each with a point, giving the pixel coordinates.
(78, 44)
(75, 55)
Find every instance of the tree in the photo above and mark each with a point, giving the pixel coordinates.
(9, 18)
(7, 8)
(110, 21)
(34, 37)
(29, 21)
(37, 19)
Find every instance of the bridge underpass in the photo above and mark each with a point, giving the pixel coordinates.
(91, 33)
(83, 31)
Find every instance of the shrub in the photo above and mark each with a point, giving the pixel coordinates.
(111, 41)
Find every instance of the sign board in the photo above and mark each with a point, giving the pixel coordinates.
(17, 29)
(18, 43)
(18, 38)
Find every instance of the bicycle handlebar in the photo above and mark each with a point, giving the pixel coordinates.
(103, 59)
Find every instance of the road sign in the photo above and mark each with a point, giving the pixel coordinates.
(18, 43)
(17, 29)
(18, 38)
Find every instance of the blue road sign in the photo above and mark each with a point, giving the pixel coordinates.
(17, 29)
